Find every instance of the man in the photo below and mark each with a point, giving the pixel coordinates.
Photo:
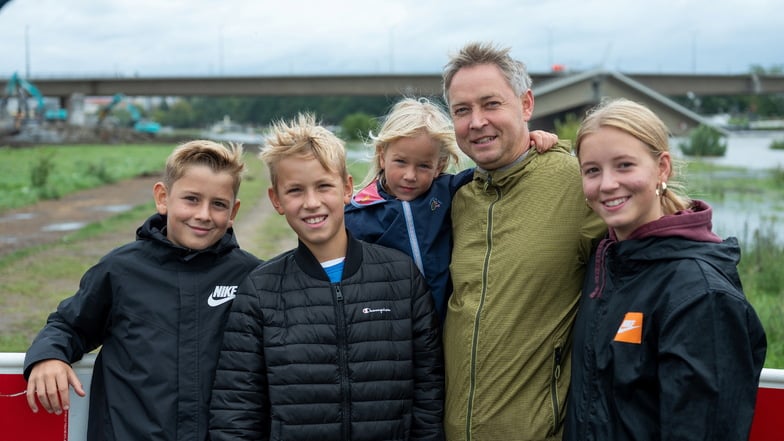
(522, 236)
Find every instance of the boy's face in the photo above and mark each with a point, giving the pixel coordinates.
(312, 199)
(200, 207)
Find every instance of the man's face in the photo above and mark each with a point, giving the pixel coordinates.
(491, 121)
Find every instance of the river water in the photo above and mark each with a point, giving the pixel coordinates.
(741, 216)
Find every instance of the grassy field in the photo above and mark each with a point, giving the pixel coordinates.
(42, 281)
(27, 174)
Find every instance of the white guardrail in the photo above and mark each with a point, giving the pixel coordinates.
(11, 364)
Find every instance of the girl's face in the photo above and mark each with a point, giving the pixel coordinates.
(620, 177)
(410, 165)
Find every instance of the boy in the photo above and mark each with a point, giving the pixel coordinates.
(336, 339)
(156, 306)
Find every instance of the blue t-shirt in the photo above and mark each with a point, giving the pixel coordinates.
(334, 269)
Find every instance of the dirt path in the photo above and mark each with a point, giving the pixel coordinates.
(51, 220)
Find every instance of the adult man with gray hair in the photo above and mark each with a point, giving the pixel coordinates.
(522, 236)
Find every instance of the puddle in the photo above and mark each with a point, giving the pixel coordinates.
(17, 216)
(114, 208)
(65, 226)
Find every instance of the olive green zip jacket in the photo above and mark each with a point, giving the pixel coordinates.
(523, 235)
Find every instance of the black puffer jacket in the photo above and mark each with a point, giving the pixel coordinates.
(158, 310)
(304, 359)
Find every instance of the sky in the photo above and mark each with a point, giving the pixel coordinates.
(154, 38)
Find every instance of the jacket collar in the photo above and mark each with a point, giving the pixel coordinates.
(311, 266)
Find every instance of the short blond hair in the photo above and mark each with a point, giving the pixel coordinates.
(218, 157)
(303, 138)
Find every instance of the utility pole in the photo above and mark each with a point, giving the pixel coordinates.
(220, 51)
(27, 52)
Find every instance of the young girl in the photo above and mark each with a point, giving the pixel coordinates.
(666, 346)
(406, 198)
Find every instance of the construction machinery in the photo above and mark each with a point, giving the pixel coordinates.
(139, 123)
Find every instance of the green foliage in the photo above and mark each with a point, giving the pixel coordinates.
(261, 111)
(39, 173)
(55, 171)
(567, 129)
(178, 115)
(763, 284)
(704, 141)
(777, 144)
(357, 126)
(101, 171)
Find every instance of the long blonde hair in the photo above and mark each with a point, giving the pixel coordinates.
(409, 118)
(640, 122)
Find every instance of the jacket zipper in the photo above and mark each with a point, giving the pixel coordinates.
(554, 387)
(475, 336)
(416, 254)
(345, 391)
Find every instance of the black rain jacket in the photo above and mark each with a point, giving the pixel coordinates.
(158, 312)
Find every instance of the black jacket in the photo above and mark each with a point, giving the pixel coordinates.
(158, 310)
(666, 346)
(305, 359)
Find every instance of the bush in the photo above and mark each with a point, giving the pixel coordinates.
(567, 129)
(705, 141)
(357, 126)
(777, 144)
(39, 174)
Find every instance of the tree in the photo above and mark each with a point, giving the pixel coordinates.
(357, 126)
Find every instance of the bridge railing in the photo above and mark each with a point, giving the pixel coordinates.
(21, 424)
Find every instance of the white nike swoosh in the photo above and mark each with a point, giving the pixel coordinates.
(622, 330)
(215, 302)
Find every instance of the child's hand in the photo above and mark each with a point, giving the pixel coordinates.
(543, 141)
(49, 381)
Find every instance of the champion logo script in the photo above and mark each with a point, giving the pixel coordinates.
(630, 330)
(221, 295)
(378, 310)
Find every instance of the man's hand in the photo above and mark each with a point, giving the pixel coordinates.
(49, 381)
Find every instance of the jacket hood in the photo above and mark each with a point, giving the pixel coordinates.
(690, 230)
(373, 193)
(154, 229)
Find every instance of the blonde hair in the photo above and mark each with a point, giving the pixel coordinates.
(218, 157)
(476, 53)
(640, 122)
(302, 137)
(409, 118)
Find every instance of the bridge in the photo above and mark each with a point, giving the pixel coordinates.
(556, 93)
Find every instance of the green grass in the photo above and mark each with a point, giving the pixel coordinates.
(30, 174)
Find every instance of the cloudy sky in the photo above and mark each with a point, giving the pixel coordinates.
(274, 37)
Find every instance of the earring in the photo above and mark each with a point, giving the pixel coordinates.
(664, 187)
(587, 204)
